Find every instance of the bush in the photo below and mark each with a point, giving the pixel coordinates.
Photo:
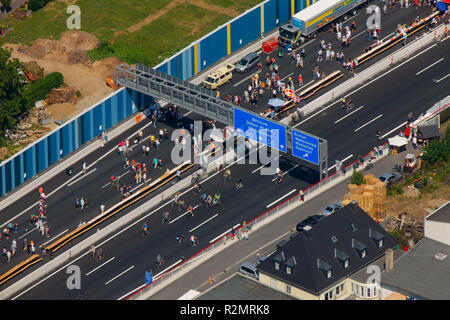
(398, 189)
(35, 5)
(39, 90)
(78, 93)
(357, 178)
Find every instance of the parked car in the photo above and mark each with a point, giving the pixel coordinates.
(310, 221)
(260, 260)
(391, 177)
(247, 62)
(331, 208)
(249, 269)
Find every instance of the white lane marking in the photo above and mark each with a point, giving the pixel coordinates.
(55, 237)
(114, 236)
(100, 266)
(236, 226)
(401, 125)
(71, 179)
(204, 222)
(346, 158)
(290, 74)
(84, 175)
(143, 285)
(303, 86)
(264, 165)
(377, 117)
(437, 81)
(118, 177)
(431, 65)
(27, 233)
(368, 83)
(238, 83)
(120, 274)
(259, 52)
(284, 173)
(220, 236)
(168, 268)
(281, 198)
(348, 114)
(182, 215)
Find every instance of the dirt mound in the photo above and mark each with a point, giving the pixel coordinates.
(106, 67)
(71, 48)
(61, 95)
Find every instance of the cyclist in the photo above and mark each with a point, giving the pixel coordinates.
(191, 211)
(100, 254)
(209, 200)
(180, 204)
(92, 250)
(145, 228)
(216, 199)
(197, 187)
(378, 134)
(166, 216)
(279, 178)
(227, 175)
(203, 198)
(193, 239)
(239, 183)
(159, 260)
(179, 238)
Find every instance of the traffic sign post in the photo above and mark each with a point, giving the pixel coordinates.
(148, 277)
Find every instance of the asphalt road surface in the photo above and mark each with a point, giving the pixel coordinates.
(411, 87)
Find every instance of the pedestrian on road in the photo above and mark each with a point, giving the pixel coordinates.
(77, 204)
(84, 167)
(102, 208)
(302, 195)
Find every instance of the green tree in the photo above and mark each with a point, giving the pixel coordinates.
(12, 100)
(357, 178)
(6, 4)
(437, 151)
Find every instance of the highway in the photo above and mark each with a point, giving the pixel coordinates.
(412, 86)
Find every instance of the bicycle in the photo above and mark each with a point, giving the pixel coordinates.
(159, 261)
(165, 218)
(193, 243)
(217, 200)
(144, 230)
(99, 256)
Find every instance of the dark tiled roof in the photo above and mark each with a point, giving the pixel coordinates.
(429, 131)
(239, 287)
(442, 214)
(315, 252)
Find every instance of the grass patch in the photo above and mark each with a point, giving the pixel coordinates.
(156, 41)
(240, 5)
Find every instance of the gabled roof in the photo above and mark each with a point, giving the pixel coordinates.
(316, 253)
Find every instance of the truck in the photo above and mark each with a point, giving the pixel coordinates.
(307, 23)
(219, 77)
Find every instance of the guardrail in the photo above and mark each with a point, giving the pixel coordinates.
(288, 204)
(19, 268)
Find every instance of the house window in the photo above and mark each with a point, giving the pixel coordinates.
(368, 292)
(374, 291)
(329, 274)
(288, 289)
(362, 291)
(363, 253)
(273, 283)
(380, 243)
(346, 264)
(353, 288)
(277, 266)
(288, 270)
(338, 290)
(331, 294)
(342, 288)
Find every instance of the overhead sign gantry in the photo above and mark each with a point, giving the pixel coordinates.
(204, 102)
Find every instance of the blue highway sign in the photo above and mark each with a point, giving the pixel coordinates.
(305, 147)
(260, 129)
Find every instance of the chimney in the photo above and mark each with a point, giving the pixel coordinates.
(389, 258)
